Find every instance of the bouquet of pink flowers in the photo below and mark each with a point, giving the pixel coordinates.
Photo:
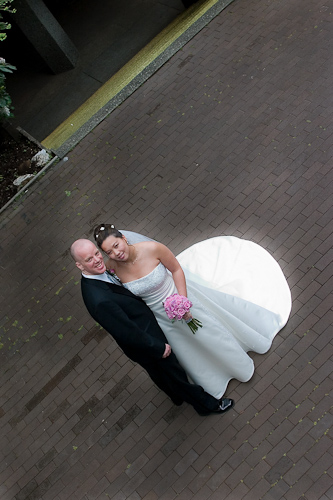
(176, 306)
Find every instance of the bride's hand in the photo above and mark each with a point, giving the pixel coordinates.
(187, 316)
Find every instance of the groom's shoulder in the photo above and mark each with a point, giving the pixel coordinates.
(93, 291)
(92, 286)
(93, 283)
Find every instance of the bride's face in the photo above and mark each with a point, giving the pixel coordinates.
(116, 248)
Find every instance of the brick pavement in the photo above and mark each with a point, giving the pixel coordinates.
(232, 136)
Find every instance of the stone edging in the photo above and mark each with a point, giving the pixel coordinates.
(36, 177)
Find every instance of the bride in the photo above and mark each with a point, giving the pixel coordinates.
(237, 289)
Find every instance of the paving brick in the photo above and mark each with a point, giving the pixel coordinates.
(282, 396)
(321, 427)
(170, 462)
(185, 480)
(204, 459)
(219, 477)
(163, 485)
(277, 491)
(319, 488)
(319, 468)
(145, 489)
(319, 448)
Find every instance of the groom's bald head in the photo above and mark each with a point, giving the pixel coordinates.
(80, 246)
(87, 257)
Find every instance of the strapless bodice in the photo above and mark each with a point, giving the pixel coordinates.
(154, 287)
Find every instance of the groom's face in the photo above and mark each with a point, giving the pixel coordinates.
(90, 260)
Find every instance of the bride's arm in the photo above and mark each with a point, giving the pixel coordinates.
(171, 263)
(167, 258)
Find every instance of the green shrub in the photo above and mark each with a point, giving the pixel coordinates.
(5, 100)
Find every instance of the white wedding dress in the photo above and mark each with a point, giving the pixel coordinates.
(240, 295)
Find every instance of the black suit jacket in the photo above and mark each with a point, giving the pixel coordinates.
(126, 317)
(134, 327)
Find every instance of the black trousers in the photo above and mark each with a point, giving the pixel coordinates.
(171, 378)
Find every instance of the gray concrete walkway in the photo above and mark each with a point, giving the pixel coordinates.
(232, 136)
(106, 34)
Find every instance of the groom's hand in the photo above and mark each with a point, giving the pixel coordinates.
(167, 351)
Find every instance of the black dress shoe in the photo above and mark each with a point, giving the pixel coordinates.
(177, 402)
(224, 405)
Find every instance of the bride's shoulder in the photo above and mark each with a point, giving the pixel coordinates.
(151, 247)
(147, 245)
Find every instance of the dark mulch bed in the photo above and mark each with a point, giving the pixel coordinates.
(14, 156)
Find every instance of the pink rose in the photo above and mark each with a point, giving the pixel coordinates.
(187, 304)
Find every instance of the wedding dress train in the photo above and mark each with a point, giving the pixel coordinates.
(240, 295)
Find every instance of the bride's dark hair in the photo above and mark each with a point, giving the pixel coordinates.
(103, 231)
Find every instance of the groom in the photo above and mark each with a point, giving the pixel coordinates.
(134, 327)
